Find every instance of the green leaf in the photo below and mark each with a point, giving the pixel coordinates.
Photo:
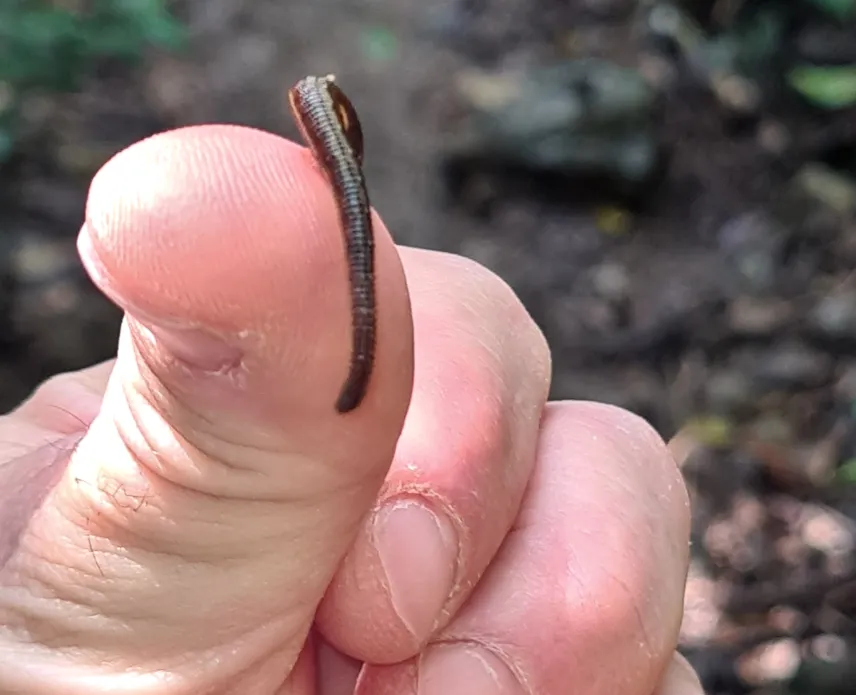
(846, 473)
(379, 44)
(711, 430)
(7, 144)
(840, 9)
(46, 47)
(829, 87)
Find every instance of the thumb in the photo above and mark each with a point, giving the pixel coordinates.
(208, 505)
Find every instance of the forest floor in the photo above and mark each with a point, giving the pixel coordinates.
(712, 293)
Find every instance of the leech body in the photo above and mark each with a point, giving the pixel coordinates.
(329, 125)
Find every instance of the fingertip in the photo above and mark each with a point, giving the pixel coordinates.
(607, 503)
(635, 449)
(680, 679)
(178, 209)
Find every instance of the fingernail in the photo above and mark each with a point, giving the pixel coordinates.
(463, 669)
(419, 553)
(193, 346)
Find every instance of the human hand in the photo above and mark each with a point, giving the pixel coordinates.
(195, 517)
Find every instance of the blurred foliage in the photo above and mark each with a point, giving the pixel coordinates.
(379, 44)
(807, 44)
(54, 46)
(846, 473)
(841, 9)
(829, 87)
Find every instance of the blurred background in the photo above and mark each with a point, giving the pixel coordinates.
(670, 187)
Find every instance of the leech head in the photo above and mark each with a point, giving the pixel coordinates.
(335, 101)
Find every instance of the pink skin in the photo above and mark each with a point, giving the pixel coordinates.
(195, 517)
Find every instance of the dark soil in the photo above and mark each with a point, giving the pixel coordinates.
(724, 312)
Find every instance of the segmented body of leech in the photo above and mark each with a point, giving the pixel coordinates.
(329, 124)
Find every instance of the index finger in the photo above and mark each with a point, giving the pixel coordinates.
(465, 455)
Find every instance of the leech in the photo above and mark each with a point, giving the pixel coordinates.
(329, 125)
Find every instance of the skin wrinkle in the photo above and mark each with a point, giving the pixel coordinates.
(230, 452)
(631, 527)
(29, 613)
(205, 553)
(583, 588)
(651, 524)
(504, 656)
(173, 669)
(654, 453)
(76, 425)
(39, 570)
(157, 394)
(78, 606)
(181, 442)
(647, 642)
(110, 530)
(14, 522)
(19, 448)
(102, 613)
(153, 481)
(656, 448)
(582, 593)
(190, 451)
(143, 455)
(82, 393)
(48, 418)
(331, 484)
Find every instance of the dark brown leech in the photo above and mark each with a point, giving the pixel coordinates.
(331, 128)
